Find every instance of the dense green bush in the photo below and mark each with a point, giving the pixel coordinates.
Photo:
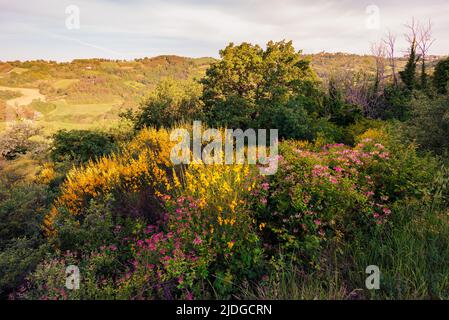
(323, 195)
(336, 193)
(441, 76)
(395, 103)
(172, 102)
(255, 88)
(429, 123)
(80, 146)
(17, 260)
(22, 209)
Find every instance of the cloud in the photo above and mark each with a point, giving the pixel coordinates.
(135, 28)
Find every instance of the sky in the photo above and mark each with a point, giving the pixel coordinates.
(63, 30)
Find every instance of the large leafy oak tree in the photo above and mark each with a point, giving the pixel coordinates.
(272, 88)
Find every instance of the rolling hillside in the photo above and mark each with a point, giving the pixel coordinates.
(92, 92)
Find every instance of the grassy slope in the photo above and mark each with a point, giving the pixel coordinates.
(91, 91)
(86, 93)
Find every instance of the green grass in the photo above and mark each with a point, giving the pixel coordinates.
(413, 258)
(64, 83)
(43, 107)
(294, 284)
(19, 70)
(50, 127)
(135, 84)
(65, 109)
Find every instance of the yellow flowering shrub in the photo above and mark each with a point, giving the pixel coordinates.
(219, 188)
(47, 174)
(212, 210)
(376, 135)
(143, 164)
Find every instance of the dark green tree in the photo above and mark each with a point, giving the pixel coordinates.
(80, 146)
(429, 123)
(441, 76)
(171, 103)
(408, 75)
(257, 88)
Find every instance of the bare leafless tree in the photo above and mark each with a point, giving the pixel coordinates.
(378, 50)
(390, 47)
(425, 39)
(412, 35)
(424, 42)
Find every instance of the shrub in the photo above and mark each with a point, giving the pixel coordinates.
(255, 88)
(213, 209)
(396, 103)
(17, 260)
(171, 103)
(331, 194)
(80, 146)
(441, 76)
(429, 123)
(17, 140)
(135, 178)
(407, 174)
(22, 208)
(324, 195)
(208, 235)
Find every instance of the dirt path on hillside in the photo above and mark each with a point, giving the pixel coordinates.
(28, 95)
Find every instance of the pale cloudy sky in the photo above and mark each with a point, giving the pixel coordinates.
(128, 29)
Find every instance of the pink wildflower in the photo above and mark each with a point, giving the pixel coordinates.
(197, 241)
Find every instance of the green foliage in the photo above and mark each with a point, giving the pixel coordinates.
(412, 255)
(441, 76)
(397, 103)
(255, 88)
(80, 146)
(17, 140)
(139, 228)
(22, 208)
(338, 193)
(429, 123)
(319, 196)
(340, 112)
(98, 228)
(172, 102)
(408, 75)
(356, 129)
(17, 260)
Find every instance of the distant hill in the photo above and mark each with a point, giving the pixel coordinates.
(86, 92)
